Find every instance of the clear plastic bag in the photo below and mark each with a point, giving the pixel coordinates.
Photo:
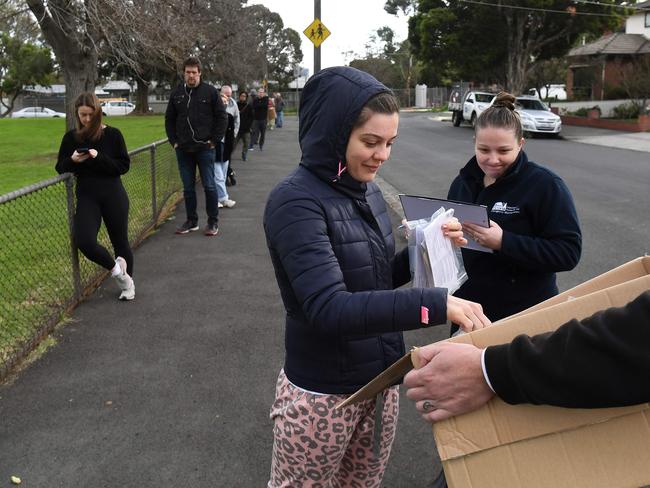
(434, 260)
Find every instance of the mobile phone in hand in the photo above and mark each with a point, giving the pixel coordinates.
(83, 150)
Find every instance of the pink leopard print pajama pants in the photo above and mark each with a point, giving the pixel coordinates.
(316, 445)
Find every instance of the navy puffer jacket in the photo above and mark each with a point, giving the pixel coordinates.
(333, 251)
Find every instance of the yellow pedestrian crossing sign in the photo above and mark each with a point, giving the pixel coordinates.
(317, 32)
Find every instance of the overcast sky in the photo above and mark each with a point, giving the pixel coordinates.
(350, 22)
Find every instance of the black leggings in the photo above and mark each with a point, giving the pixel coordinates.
(97, 199)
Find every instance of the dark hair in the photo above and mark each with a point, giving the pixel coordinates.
(93, 131)
(501, 115)
(381, 103)
(192, 61)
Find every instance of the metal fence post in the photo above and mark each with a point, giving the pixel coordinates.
(74, 254)
(154, 205)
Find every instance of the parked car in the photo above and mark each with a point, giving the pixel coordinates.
(36, 112)
(117, 108)
(536, 117)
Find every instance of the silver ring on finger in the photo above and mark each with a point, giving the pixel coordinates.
(428, 406)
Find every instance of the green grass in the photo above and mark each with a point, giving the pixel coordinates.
(29, 147)
(37, 284)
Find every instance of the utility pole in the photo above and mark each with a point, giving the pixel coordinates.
(317, 48)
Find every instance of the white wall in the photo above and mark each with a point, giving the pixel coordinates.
(636, 25)
(606, 106)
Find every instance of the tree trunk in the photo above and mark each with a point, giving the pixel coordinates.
(76, 53)
(80, 76)
(142, 97)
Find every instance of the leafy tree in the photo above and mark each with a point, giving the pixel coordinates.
(548, 72)
(279, 48)
(495, 41)
(22, 64)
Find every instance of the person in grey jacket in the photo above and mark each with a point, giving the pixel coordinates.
(331, 243)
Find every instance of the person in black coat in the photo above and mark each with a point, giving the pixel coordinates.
(260, 115)
(329, 235)
(245, 124)
(195, 122)
(222, 153)
(601, 361)
(534, 230)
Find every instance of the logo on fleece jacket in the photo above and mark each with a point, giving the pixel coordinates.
(503, 208)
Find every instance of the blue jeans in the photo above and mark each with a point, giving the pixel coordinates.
(187, 163)
(220, 173)
(279, 117)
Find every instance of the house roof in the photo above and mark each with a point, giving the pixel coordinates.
(617, 43)
(642, 5)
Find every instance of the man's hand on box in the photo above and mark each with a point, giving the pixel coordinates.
(448, 380)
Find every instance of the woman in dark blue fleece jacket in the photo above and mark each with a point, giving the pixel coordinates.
(534, 228)
(332, 247)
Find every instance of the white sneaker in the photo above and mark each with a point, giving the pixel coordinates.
(124, 281)
(129, 293)
(219, 205)
(228, 203)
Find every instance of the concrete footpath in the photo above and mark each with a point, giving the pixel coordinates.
(174, 388)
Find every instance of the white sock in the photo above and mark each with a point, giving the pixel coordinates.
(116, 269)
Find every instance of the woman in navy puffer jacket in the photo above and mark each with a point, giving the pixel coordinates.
(331, 243)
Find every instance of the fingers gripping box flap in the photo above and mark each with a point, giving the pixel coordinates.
(521, 439)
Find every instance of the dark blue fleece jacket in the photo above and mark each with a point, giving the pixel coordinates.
(541, 236)
(333, 251)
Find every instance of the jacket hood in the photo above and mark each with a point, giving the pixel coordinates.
(330, 104)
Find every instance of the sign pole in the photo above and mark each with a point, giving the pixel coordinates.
(316, 48)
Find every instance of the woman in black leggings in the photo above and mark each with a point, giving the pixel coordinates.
(97, 155)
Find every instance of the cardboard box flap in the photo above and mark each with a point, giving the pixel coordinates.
(498, 423)
(631, 270)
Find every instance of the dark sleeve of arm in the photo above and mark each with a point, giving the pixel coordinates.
(601, 361)
(557, 244)
(64, 163)
(401, 268)
(170, 121)
(297, 234)
(220, 122)
(114, 160)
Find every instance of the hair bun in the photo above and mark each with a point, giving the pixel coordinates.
(504, 99)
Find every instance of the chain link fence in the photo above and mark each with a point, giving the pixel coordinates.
(43, 274)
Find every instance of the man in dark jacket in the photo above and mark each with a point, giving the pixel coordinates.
(195, 122)
(601, 361)
(260, 114)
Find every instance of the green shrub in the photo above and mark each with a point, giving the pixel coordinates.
(626, 111)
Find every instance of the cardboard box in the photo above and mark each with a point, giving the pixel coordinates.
(532, 446)
(633, 269)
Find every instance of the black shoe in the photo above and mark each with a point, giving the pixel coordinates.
(188, 226)
(211, 230)
(231, 178)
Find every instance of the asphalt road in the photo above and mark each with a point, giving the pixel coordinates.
(174, 388)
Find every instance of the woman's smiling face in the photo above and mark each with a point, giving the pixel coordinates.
(370, 145)
(496, 150)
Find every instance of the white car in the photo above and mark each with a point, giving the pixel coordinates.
(536, 117)
(35, 112)
(117, 108)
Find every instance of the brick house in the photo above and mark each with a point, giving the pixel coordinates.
(596, 69)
